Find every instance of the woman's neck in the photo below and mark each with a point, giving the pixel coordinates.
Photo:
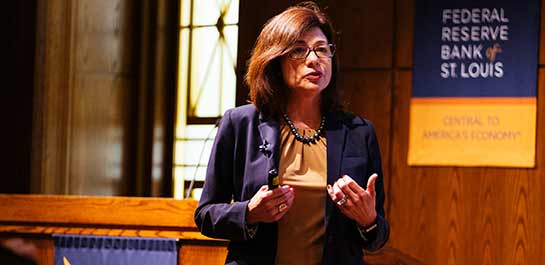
(305, 111)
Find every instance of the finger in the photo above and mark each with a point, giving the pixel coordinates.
(285, 189)
(284, 197)
(276, 216)
(337, 191)
(344, 186)
(262, 191)
(272, 205)
(288, 202)
(353, 185)
(331, 193)
(290, 195)
(371, 184)
(343, 200)
(280, 211)
(356, 188)
(276, 193)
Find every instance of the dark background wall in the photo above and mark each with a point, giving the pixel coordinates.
(88, 85)
(18, 61)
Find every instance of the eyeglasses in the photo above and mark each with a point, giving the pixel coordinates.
(321, 51)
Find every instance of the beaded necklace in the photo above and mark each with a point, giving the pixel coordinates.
(300, 138)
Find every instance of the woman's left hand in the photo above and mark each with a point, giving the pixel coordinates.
(354, 201)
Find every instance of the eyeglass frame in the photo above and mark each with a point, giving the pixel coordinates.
(331, 46)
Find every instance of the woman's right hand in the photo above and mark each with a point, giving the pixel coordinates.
(270, 205)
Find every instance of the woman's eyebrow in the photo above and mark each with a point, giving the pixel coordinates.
(302, 42)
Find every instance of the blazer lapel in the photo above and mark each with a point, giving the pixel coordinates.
(336, 135)
(269, 130)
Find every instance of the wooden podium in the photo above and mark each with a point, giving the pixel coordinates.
(36, 217)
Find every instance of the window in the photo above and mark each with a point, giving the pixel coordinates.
(206, 84)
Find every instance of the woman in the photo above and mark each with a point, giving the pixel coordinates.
(327, 206)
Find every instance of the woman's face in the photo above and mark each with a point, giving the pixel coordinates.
(311, 74)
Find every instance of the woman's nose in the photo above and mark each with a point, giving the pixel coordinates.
(312, 57)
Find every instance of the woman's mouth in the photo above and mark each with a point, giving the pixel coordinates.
(313, 76)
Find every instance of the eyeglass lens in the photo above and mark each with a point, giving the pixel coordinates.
(323, 51)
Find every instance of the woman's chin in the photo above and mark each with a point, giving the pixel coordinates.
(312, 87)
(310, 91)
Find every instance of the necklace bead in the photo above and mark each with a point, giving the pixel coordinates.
(299, 137)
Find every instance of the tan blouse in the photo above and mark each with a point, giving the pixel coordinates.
(301, 231)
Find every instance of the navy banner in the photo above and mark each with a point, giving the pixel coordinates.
(472, 48)
(106, 250)
(474, 83)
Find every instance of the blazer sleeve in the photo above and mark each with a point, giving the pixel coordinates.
(217, 215)
(383, 228)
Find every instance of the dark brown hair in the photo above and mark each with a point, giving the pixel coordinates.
(264, 77)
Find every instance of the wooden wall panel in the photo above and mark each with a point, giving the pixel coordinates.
(411, 212)
(103, 52)
(537, 184)
(101, 97)
(365, 27)
(86, 76)
(98, 152)
(404, 32)
(165, 88)
(50, 117)
(368, 95)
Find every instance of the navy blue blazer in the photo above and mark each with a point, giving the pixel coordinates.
(247, 147)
